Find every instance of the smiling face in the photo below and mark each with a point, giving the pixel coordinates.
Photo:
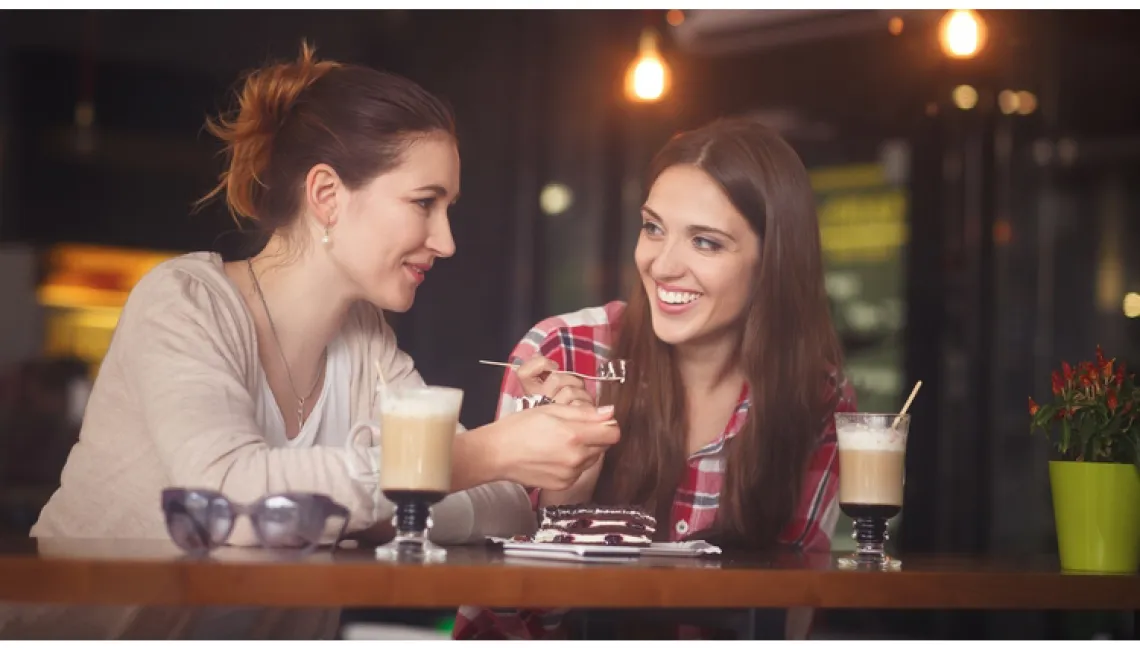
(392, 229)
(696, 256)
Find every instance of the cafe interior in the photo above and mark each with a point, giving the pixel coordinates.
(977, 183)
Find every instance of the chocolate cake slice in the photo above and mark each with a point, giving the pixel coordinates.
(596, 525)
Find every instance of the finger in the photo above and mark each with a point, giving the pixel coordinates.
(591, 458)
(572, 395)
(600, 435)
(580, 458)
(594, 460)
(534, 373)
(535, 367)
(555, 382)
(597, 463)
(574, 414)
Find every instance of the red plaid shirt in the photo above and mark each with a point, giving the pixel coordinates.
(581, 342)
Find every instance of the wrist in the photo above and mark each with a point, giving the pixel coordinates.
(477, 458)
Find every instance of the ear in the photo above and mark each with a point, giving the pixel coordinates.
(322, 188)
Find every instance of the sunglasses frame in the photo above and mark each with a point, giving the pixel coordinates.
(173, 501)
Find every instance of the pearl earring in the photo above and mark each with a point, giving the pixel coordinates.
(325, 239)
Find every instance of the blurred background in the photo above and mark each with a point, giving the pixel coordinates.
(976, 176)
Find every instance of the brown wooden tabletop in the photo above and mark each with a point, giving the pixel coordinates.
(155, 572)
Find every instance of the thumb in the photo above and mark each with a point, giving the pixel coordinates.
(579, 413)
(535, 367)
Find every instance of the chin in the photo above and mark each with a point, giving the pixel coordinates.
(393, 301)
(670, 333)
(401, 305)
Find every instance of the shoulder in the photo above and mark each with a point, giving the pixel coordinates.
(191, 282)
(839, 395)
(590, 329)
(841, 391)
(184, 310)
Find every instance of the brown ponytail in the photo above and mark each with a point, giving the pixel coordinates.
(292, 116)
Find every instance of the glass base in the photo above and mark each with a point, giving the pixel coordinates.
(872, 562)
(411, 548)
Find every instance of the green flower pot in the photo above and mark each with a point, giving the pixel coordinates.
(1097, 510)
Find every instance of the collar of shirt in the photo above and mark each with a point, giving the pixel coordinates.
(735, 423)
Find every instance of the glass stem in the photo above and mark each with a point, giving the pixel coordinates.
(412, 517)
(870, 535)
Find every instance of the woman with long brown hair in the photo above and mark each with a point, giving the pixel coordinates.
(734, 370)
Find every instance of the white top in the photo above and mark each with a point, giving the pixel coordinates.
(331, 417)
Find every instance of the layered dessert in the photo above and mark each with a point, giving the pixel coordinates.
(596, 525)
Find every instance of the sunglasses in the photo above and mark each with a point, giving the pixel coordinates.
(200, 520)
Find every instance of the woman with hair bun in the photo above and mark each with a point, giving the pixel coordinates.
(246, 377)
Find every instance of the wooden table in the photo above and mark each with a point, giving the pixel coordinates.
(155, 572)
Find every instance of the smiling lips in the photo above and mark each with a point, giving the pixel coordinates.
(674, 301)
(418, 271)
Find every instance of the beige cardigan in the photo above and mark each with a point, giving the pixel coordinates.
(173, 406)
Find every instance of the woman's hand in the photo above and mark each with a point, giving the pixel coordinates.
(538, 379)
(550, 447)
(581, 492)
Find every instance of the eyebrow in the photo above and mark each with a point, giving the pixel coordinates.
(692, 229)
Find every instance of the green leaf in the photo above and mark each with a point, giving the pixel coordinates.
(1044, 416)
(1066, 436)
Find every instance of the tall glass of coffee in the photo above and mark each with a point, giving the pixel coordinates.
(417, 427)
(872, 457)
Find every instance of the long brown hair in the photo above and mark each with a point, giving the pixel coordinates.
(788, 346)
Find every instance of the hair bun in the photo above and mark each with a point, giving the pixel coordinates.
(266, 98)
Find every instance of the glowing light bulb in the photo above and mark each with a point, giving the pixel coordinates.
(647, 79)
(962, 33)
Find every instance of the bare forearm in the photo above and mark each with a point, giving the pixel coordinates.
(475, 460)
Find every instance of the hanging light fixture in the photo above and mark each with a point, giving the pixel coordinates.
(962, 33)
(648, 78)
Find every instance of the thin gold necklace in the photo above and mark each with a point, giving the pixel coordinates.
(301, 400)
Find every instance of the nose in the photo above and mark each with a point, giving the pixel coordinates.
(440, 240)
(667, 264)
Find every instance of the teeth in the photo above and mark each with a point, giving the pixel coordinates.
(670, 297)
